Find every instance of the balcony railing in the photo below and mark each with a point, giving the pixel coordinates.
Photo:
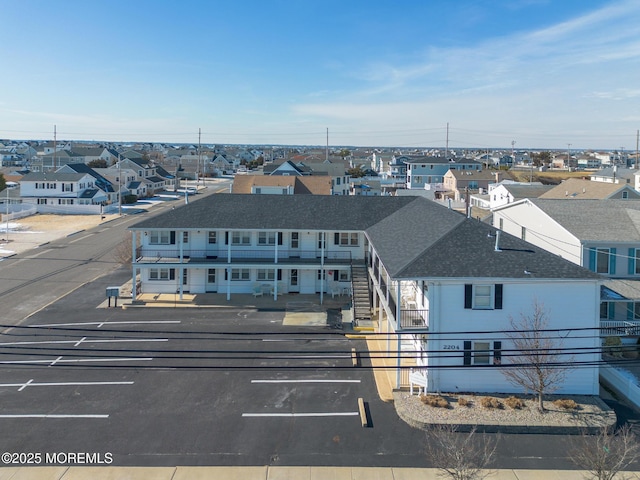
(620, 328)
(414, 319)
(172, 255)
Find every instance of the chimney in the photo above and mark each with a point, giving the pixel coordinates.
(497, 247)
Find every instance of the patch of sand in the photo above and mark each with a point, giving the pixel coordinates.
(30, 232)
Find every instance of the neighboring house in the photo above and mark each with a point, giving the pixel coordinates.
(429, 172)
(335, 171)
(223, 165)
(579, 189)
(504, 193)
(100, 182)
(614, 174)
(146, 173)
(601, 235)
(458, 183)
(446, 283)
(588, 162)
(365, 187)
(54, 160)
(282, 185)
(72, 193)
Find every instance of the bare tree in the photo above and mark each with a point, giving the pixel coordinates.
(537, 364)
(606, 454)
(122, 253)
(460, 456)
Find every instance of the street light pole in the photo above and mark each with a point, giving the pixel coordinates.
(7, 189)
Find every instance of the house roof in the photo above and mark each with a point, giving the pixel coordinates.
(414, 237)
(577, 188)
(527, 191)
(52, 177)
(595, 220)
(437, 160)
(101, 182)
(461, 175)
(301, 185)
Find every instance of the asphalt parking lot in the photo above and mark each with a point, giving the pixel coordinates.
(187, 387)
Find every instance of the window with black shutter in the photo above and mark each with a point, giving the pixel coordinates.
(467, 353)
(468, 296)
(497, 353)
(497, 303)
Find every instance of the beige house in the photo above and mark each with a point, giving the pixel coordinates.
(282, 185)
(457, 183)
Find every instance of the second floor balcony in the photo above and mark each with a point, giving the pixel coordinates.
(148, 255)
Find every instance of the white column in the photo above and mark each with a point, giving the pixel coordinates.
(227, 235)
(133, 264)
(322, 272)
(181, 269)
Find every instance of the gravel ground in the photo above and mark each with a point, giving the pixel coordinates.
(592, 414)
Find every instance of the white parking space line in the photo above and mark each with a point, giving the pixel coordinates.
(74, 360)
(313, 414)
(31, 383)
(49, 415)
(100, 324)
(305, 381)
(76, 343)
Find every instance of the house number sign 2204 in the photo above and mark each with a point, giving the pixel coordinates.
(451, 347)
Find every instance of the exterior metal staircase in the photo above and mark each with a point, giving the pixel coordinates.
(361, 297)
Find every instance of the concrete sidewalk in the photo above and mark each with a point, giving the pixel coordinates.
(264, 473)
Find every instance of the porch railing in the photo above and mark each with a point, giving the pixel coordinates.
(414, 318)
(148, 255)
(620, 328)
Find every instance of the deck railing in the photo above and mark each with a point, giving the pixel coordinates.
(172, 255)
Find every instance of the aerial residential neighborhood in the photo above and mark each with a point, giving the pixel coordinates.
(305, 240)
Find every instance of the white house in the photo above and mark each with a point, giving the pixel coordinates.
(444, 286)
(71, 193)
(601, 235)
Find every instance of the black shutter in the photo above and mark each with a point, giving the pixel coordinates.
(497, 303)
(173, 237)
(468, 295)
(335, 275)
(497, 353)
(279, 238)
(279, 274)
(226, 238)
(172, 274)
(467, 353)
(226, 274)
(336, 238)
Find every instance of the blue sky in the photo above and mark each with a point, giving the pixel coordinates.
(544, 74)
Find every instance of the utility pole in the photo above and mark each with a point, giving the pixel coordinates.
(446, 148)
(513, 152)
(7, 189)
(198, 169)
(568, 155)
(327, 150)
(637, 144)
(55, 150)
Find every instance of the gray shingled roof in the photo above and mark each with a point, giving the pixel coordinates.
(596, 220)
(52, 177)
(527, 191)
(288, 212)
(414, 237)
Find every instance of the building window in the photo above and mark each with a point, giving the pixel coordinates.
(625, 195)
(161, 274)
(604, 309)
(346, 239)
(185, 237)
(637, 262)
(636, 311)
(240, 274)
(483, 297)
(265, 274)
(266, 238)
(481, 353)
(295, 240)
(523, 232)
(157, 237)
(344, 276)
(322, 275)
(211, 275)
(241, 238)
(213, 238)
(602, 260)
(501, 224)
(294, 277)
